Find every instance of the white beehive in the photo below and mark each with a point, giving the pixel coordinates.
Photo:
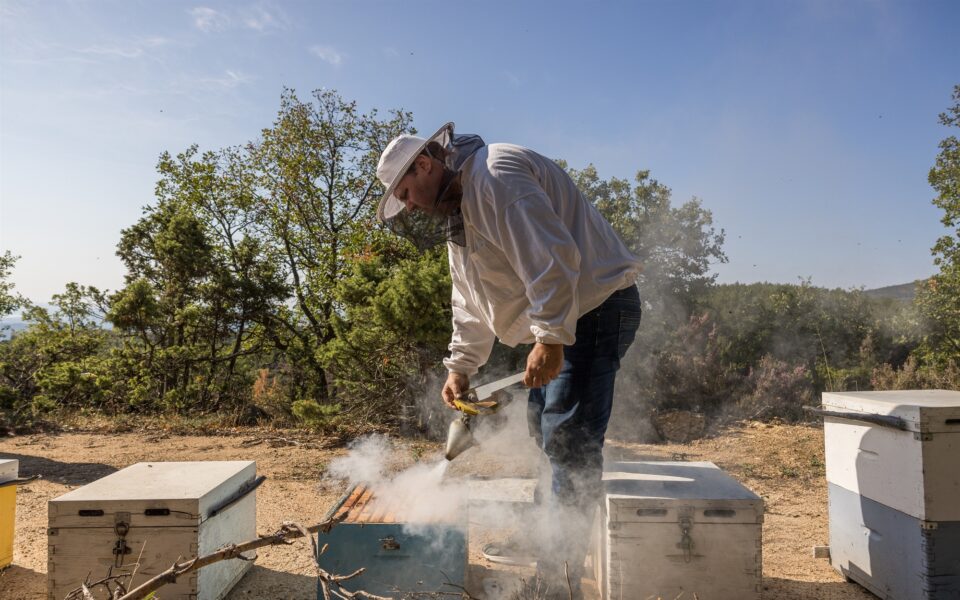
(893, 480)
(914, 468)
(156, 513)
(675, 529)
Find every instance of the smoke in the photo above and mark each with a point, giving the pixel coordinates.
(493, 483)
(417, 495)
(367, 461)
(429, 415)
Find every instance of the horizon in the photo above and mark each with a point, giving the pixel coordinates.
(806, 128)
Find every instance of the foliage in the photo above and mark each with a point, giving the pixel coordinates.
(259, 284)
(828, 331)
(939, 297)
(690, 373)
(314, 415)
(237, 264)
(673, 362)
(394, 329)
(58, 361)
(776, 389)
(201, 287)
(9, 301)
(761, 350)
(316, 193)
(914, 375)
(675, 244)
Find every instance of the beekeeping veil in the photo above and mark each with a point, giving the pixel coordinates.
(424, 230)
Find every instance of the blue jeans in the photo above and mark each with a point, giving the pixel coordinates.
(569, 416)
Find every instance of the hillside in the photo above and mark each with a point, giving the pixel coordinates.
(904, 291)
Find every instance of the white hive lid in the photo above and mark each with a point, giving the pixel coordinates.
(672, 480)
(197, 485)
(921, 410)
(8, 469)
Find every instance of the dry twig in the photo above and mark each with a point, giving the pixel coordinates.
(289, 531)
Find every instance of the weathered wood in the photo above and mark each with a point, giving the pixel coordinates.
(288, 532)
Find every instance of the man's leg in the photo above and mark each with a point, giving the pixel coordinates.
(569, 418)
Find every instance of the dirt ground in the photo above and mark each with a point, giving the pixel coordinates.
(784, 464)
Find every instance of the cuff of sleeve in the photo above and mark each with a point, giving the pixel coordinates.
(552, 336)
(455, 366)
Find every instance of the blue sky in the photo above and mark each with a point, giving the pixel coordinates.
(807, 128)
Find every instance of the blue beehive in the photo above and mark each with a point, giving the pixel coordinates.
(397, 557)
(893, 474)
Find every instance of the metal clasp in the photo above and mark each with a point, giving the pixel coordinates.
(121, 549)
(389, 543)
(686, 542)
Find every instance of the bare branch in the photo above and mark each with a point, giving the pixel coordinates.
(289, 531)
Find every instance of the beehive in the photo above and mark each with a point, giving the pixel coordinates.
(677, 529)
(8, 509)
(398, 556)
(893, 479)
(156, 513)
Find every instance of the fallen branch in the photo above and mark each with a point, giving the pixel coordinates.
(84, 592)
(289, 531)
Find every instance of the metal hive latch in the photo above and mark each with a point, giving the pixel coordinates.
(121, 549)
(389, 543)
(686, 542)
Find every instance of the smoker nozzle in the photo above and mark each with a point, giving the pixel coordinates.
(459, 437)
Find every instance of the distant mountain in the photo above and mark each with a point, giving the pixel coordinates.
(11, 325)
(904, 291)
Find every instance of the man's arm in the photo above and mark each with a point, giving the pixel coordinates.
(545, 257)
(470, 346)
(543, 253)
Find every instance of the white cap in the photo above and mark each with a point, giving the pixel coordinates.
(396, 160)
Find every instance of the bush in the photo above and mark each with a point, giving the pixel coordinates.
(916, 376)
(778, 389)
(315, 415)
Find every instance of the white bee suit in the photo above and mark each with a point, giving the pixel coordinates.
(538, 256)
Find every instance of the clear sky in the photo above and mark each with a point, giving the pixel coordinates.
(807, 128)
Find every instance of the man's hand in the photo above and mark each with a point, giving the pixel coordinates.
(457, 384)
(543, 364)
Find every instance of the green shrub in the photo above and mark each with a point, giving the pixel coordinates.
(315, 415)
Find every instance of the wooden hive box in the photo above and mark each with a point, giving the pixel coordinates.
(397, 556)
(8, 509)
(893, 482)
(156, 512)
(675, 529)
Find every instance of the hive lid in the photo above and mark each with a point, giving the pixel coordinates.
(195, 487)
(362, 505)
(8, 469)
(925, 411)
(672, 481)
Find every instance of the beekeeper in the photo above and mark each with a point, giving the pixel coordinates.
(532, 262)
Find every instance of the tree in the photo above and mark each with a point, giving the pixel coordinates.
(9, 301)
(395, 329)
(59, 360)
(316, 192)
(677, 245)
(939, 296)
(201, 286)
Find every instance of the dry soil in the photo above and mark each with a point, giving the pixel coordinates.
(784, 464)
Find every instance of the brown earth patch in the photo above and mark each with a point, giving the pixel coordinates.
(782, 463)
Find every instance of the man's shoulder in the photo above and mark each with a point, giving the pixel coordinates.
(504, 150)
(494, 158)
